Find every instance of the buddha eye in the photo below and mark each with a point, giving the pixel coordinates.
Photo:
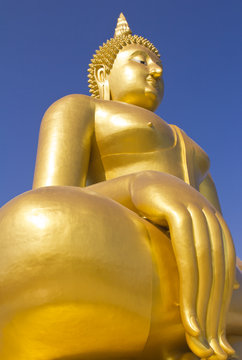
(140, 61)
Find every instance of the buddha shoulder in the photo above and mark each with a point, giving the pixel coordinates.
(70, 111)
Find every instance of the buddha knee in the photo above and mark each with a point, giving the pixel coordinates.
(51, 235)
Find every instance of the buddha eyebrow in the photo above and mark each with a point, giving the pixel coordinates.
(138, 52)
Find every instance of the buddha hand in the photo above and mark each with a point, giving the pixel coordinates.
(204, 253)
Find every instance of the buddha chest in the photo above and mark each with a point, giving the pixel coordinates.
(129, 139)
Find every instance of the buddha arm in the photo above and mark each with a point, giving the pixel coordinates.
(64, 142)
(202, 246)
(208, 190)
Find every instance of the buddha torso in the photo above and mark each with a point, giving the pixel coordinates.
(128, 139)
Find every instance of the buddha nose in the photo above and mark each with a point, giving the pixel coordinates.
(156, 71)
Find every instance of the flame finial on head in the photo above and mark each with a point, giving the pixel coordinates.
(122, 27)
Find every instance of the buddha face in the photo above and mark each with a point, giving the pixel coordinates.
(136, 77)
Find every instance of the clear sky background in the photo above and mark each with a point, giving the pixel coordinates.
(45, 49)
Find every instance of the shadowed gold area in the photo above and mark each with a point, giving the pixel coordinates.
(49, 332)
(120, 251)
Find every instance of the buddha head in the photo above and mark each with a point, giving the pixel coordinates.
(127, 68)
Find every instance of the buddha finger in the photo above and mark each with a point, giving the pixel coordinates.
(181, 229)
(204, 260)
(229, 282)
(200, 344)
(216, 295)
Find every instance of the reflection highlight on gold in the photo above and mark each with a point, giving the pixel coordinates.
(39, 220)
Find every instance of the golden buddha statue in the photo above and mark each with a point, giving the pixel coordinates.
(120, 250)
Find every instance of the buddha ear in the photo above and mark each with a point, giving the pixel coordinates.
(102, 82)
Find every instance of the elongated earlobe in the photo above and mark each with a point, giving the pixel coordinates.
(103, 83)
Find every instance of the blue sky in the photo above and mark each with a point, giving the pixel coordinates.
(45, 50)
